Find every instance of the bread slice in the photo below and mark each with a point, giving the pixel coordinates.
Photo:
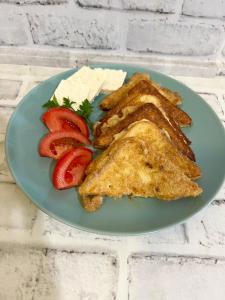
(113, 98)
(142, 93)
(142, 162)
(172, 96)
(149, 112)
(116, 97)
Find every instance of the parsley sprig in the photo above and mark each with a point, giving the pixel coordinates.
(67, 103)
(51, 103)
(85, 109)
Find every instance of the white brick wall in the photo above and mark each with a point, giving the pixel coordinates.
(42, 2)
(18, 273)
(169, 278)
(180, 38)
(207, 232)
(9, 89)
(162, 6)
(17, 211)
(48, 274)
(212, 98)
(74, 275)
(12, 29)
(41, 258)
(206, 8)
(171, 30)
(87, 31)
(100, 3)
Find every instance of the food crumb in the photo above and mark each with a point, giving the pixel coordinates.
(91, 203)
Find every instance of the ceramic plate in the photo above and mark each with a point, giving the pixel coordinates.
(117, 216)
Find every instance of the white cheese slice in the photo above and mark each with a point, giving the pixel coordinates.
(114, 79)
(74, 90)
(82, 72)
(91, 78)
(95, 82)
(87, 83)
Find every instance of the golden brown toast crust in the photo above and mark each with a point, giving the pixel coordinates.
(146, 130)
(172, 96)
(152, 134)
(113, 98)
(144, 88)
(150, 112)
(157, 169)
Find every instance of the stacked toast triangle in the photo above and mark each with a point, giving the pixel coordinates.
(146, 154)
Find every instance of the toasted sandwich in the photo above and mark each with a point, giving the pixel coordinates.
(149, 112)
(141, 162)
(142, 93)
(115, 97)
(172, 96)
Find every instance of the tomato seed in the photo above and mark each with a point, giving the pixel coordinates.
(72, 165)
(52, 148)
(68, 177)
(67, 125)
(66, 141)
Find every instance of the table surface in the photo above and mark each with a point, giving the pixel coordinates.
(41, 258)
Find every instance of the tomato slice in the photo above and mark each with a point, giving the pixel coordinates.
(70, 169)
(56, 144)
(59, 118)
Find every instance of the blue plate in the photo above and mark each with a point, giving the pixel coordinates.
(117, 216)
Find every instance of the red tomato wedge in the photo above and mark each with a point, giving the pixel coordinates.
(56, 144)
(70, 169)
(64, 119)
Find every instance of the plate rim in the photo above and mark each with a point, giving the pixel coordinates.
(86, 228)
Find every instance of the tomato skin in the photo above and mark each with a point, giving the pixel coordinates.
(60, 118)
(70, 169)
(56, 144)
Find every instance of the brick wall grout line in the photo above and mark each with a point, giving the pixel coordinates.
(202, 18)
(147, 13)
(24, 238)
(220, 56)
(22, 90)
(129, 12)
(28, 30)
(122, 288)
(187, 250)
(179, 8)
(185, 232)
(221, 99)
(176, 257)
(202, 61)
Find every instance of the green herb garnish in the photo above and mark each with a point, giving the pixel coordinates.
(51, 103)
(85, 109)
(67, 103)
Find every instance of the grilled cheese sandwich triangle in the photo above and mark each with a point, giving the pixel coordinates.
(142, 162)
(149, 112)
(143, 92)
(115, 97)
